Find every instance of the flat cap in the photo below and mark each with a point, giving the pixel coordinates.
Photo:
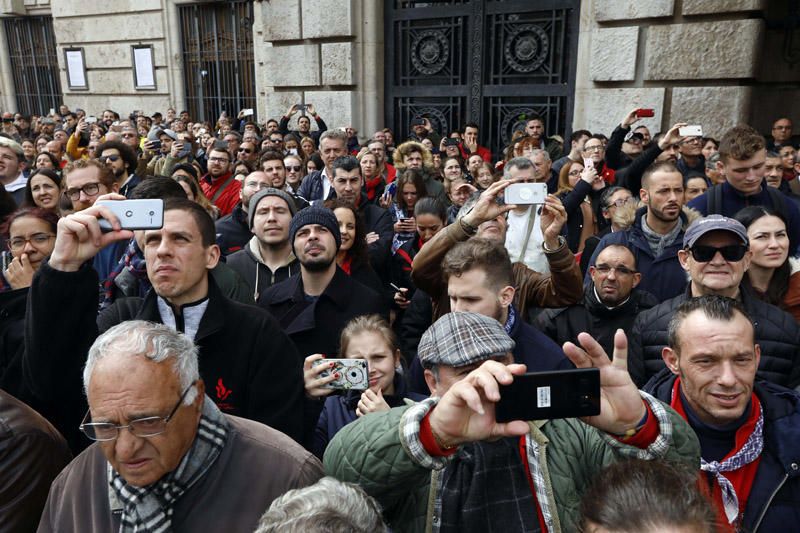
(461, 339)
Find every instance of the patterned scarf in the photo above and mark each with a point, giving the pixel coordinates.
(749, 452)
(133, 262)
(511, 320)
(658, 242)
(149, 509)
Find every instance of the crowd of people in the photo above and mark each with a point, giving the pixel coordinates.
(183, 377)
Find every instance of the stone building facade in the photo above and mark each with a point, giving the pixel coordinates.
(714, 62)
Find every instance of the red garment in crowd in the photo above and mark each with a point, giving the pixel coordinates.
(227, 199)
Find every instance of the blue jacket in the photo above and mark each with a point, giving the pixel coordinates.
(340, 410)
(774, 501)
(733, 201)
(531, 347)
(311, 188)
(662, 276)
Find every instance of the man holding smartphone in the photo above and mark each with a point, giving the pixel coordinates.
(447, 461)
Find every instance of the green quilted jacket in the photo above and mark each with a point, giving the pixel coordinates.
(370, 452)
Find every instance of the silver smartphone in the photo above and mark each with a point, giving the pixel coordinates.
(525, 193)
(691, 131)
(354, 373)
(134, 214)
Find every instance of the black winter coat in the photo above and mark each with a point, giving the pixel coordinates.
(594, 318)
(249, 366)
(233, 231)
(256, 274)
(776, 332)
(774, 501)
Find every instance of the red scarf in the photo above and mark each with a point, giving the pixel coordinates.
(742, 479)
(372, 185)
(347, 264)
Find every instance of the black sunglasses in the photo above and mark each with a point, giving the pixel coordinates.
(704, 254)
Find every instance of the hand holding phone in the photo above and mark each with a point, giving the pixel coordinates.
(549, 395)
(526, 193)
(350, 373)
(645, 112)
(694, 130)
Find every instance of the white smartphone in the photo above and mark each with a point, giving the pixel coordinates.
(587, 162)
(247, 112)
(90, 120)
(135, 214)
(525, 193)
(691, 131)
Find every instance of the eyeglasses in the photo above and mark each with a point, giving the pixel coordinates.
(218, 160)
(149, 426)
(575, 172)
(598, 148)
(90, 189)
(620, 202)
(112, 158)
(37, 239)
(732, 252)
(292, 168)
(129, 135)
(692, 140)
(246, 150)
(620, 270)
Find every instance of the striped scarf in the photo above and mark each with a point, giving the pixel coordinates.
(149, 509)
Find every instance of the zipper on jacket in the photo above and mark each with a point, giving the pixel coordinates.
(772, 497)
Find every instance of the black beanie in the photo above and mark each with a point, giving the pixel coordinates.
(315, 215)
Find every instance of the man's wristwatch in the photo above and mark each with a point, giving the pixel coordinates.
(561, 242)
(468, 228)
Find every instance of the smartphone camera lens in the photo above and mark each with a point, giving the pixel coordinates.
(152, 213)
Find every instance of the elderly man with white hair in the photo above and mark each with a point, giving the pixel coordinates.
(165, 457)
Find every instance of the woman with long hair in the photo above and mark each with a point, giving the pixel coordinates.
(295, 165)
(374, 184)
(410, 188)
(773, 275)
(364, 337)
(577, 187)
(353, 255)
(44, 190)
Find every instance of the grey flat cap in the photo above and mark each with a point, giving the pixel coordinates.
(461, 339)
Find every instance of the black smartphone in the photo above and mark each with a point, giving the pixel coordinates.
(549, 395)
(84, 139)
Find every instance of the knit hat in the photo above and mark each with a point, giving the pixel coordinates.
(315, 215)
(461, 339)
(263, 193)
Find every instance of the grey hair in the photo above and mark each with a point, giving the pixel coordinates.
(328, 506)
(155, 342)
(336, 135)
(538, 151)
(520, 163)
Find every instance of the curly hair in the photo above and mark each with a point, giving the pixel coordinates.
(408, 148)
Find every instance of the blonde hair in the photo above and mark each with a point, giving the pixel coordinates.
(367, 324)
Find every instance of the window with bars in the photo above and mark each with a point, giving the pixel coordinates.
(34, 64)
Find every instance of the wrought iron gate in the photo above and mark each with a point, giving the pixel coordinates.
(34, 64)
(493, 62)
(219, 70)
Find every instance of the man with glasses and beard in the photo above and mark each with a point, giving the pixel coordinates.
(219, 185)
(121, 159)
(656, 233)
(716, 254)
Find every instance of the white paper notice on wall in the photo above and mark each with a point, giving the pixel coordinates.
(143, 59)
(542, 397)
(77, 77)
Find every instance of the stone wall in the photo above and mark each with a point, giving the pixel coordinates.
(690, 60)
(323, 52)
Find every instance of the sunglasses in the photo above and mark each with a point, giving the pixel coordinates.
(112, 158)
(732, 252)
(246, 150)
(291, 168)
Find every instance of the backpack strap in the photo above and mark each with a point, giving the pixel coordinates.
(222, 188)
(714, 206)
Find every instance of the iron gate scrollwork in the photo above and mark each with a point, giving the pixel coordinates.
(494, 62)
(219, 68)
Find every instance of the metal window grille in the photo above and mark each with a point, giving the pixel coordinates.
(34, 64)
(218, 58)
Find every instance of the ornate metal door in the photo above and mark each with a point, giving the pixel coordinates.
(494, 62)
(219, 69)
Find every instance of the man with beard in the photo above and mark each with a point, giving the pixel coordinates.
(610, 302)
(109, 117)
(656, 234)
(314, 305)
(12, 163)
(121, 159)
(233, 231)
(219, 185)
(271, 163)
